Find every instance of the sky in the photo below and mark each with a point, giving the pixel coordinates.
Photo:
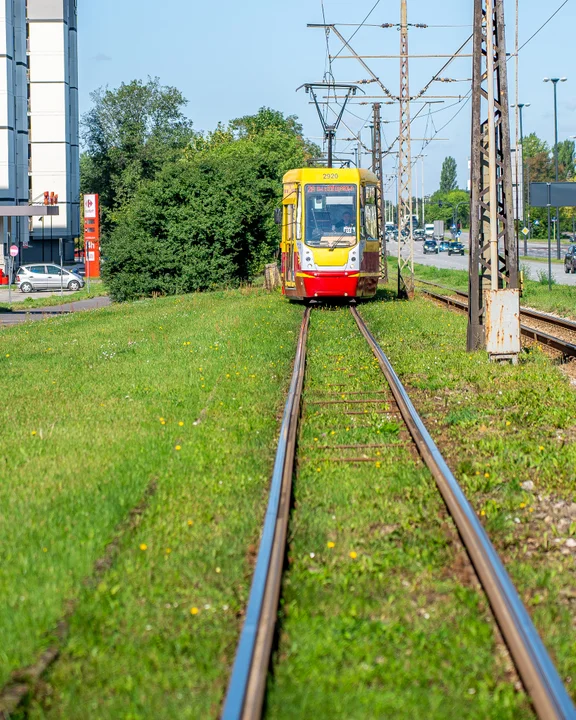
(230, 58)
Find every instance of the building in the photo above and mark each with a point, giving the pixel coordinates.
(39, 123)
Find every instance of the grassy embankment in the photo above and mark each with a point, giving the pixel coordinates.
(169, 405)
(560, 300)
(22, 302)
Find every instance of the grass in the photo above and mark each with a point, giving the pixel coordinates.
(508, 433)
(38, 300)
(380, 615)
(179, 395)
(172, 407)
(560, 300)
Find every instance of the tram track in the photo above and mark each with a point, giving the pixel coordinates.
(247, 687)
(535, 331)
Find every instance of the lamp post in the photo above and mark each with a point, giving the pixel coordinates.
(555, 82)
(521, 107)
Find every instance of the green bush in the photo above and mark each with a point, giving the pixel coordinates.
(206, 220)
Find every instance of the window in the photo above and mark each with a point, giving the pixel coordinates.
(37, 269)
(331, 216)
(53, 270)
(370, 212)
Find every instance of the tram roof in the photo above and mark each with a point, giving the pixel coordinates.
(330, 175)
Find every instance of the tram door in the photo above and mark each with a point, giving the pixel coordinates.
(290, 225)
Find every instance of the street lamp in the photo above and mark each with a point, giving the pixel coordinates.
(555, 82)
(521, 107)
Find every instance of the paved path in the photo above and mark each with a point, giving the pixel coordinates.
(18, 297)
(457, 262)
(21, 316)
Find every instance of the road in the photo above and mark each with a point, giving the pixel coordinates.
(20, 316)
(457, 262)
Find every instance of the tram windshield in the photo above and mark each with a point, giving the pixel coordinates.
(331, 216)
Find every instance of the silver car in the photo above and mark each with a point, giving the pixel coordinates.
(40, 276)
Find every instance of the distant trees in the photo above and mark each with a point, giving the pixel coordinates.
(448, 175)
(449, 206)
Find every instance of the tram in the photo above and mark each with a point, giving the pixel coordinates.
(330, 236)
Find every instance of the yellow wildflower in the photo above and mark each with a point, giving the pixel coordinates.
(143, 546)
(353, 555)
(330, 544)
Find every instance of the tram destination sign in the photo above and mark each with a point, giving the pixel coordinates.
(330, 188)
(553, 194)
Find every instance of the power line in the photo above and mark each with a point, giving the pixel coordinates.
(359, 26)
(543, 25)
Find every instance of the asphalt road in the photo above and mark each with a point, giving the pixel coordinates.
(457, 262)
(21, 316)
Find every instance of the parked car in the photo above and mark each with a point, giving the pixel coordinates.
(30, 278)
(444, 245)
(77, 269)
(430, 247)
(455, 248)
(570, 260)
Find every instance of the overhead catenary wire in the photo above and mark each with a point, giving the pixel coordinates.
(462, 103)
(543, 25)
(359, 26)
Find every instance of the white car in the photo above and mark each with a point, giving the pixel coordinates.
(30, 278)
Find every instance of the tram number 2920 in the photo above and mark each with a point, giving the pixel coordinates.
(330, 176)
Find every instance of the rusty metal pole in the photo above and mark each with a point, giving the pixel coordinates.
(379, 172)
(493, 249)
(405, 245)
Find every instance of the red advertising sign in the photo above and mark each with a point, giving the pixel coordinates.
(92, 236)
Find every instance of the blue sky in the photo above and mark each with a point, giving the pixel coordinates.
(230, 58)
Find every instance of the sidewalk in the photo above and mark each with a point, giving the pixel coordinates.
(25, 315)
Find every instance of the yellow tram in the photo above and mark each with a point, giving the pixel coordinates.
(330, 236)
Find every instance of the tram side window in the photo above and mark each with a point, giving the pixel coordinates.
(369, 212)
(290, 222)
(331, 215)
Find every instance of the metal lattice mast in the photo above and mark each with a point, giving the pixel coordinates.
(379, 172)
(405, 243)
(493, 249)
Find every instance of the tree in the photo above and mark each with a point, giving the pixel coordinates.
(129, 134)
(538, 164)
(448, 176)
(207, 219)
(450, 206)
(566, 160)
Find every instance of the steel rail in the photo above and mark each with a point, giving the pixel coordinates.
(538, 674)
(566, 348)
(535, 314)
(245, 694)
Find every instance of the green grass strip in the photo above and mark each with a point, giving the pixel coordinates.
(508, 433)
(381, 614)
(561, 299)
(180, 392)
